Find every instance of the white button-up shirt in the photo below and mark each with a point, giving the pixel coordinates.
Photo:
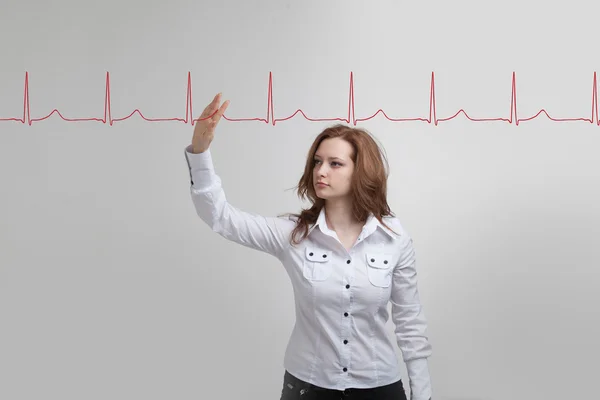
(339, 339)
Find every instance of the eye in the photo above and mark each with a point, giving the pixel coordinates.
(333, 163)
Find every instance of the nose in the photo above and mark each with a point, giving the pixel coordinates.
(322, 170)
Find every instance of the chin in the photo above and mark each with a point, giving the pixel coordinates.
(324, 196)
(320, 194)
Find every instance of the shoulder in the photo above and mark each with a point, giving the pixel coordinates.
(287, 221)
(396, 225)
(289, 217)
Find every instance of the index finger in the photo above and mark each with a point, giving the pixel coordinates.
(217, 117)
(210, 108)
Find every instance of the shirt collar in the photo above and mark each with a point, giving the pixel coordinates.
(369, 227)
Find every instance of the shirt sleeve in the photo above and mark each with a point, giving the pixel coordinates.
(410, 322)
(266, 234)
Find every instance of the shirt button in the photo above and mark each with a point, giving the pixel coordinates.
(345, 369)
(347, 286)
(348, 262)
(345, 342)
(345, 314)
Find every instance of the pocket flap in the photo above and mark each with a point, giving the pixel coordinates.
(318, 255)
(379, 260)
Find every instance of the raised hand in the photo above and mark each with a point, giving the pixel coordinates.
(204, 131)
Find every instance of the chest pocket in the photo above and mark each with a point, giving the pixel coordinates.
(380, 269)
(317, 264)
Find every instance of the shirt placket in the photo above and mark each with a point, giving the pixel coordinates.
(348, 302)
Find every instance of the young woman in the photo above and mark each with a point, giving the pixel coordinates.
(347, 257)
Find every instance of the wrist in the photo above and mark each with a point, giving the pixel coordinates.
(198, 150)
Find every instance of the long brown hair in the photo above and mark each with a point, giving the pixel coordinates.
(368, 185)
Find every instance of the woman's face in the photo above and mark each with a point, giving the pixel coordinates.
(333, 167)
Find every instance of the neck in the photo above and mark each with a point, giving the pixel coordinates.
(338, 215)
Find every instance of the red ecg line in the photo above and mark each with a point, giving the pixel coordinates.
(432, 118)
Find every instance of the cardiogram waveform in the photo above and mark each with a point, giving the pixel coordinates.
(269, 118)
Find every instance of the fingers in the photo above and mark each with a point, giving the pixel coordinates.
(211, 107)
(221, 111)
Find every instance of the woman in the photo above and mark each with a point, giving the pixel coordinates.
(347, 256)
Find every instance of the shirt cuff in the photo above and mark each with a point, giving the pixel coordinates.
(200, 166)
(419, 379)
(198, 160)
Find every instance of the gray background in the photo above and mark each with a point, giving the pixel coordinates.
(112, 288)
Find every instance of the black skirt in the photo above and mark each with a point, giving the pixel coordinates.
(297, 389)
